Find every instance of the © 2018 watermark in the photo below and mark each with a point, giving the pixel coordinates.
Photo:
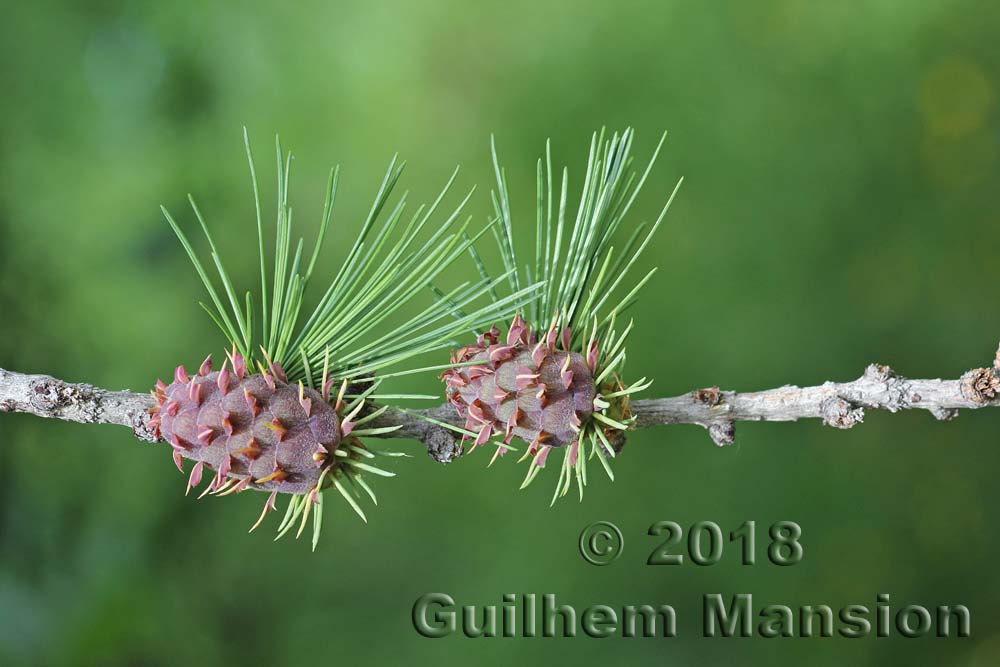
(702, 543)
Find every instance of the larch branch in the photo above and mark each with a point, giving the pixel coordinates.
(838, 404)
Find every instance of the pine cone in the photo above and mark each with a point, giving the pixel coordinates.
(272, 435)
(525, 387)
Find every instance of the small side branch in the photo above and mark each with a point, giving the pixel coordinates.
(838, 404)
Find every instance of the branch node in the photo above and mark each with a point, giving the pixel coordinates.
(53, 395)
(617, 440)
(981, 385)
(442, 445)
(879, 373)
(839, 413)
(710, 396)
(944, 414)
(722, 433)
(896, 390)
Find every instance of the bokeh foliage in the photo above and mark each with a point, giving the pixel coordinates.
(839, 207)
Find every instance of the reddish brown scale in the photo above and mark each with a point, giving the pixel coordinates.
(525, 388)
(254, 427)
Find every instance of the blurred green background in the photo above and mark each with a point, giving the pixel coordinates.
(841, 165)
